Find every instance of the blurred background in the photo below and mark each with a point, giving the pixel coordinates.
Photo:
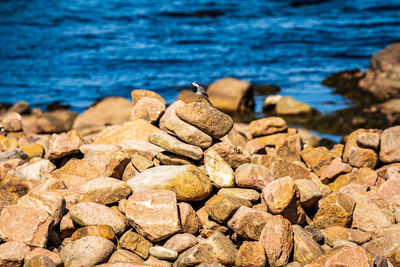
(77, 51)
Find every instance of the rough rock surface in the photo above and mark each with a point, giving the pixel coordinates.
(219, 171)
(266, 126)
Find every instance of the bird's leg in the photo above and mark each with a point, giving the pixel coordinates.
(200, 98)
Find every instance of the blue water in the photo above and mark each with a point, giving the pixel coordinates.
(75, 51)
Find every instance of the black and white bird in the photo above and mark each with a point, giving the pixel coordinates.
(201, 92)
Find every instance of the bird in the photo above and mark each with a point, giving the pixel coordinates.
(201, 92)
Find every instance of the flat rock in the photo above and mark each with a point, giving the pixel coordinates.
(117, 162)
(149, 109)
(39, 260)
(390, 190)
(251, 254)
(232, 154)
(138, 94)
(310, 193)
(168, 158)
(219, 171)
(163, 253)
(390, 145)
(125, 256)
(277, 240)
(63, 144)
(156, 206)
(253, 176)
(89, 213)
(305, 249)
(104, 190)
(34, 151)
(317, 158)
(352, 141)
(172, 144)
(190, 222)
(266, 126)
(188, 182)
(362, 176)
(335, 168)
(36, 169)
(248, 194)
(135, 243)
(29, 225)
(103, 231)
(341, 233)
(200, 253)
(206, 118)
(169, 112)
(181, 242)
(289, 147)
(289, 106)
(55, 257)
(13, 253)
(349, 256)
(248, 222)
(222, 207)
(362, 157)
(87, 251)
(368, 140)
(223, 248)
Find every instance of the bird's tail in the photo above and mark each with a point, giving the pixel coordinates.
(209, 102)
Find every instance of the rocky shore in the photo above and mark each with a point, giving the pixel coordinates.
(136, 183)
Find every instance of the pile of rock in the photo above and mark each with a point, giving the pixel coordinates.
(185, 186)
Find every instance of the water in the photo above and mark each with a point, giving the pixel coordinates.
(76, 51)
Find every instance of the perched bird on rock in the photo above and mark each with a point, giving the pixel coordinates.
(201, 92)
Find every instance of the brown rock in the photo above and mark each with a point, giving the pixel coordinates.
(208, 224)
(55, 257)
(39, 260)
(117, 163)
(138, 94)
(352, 141)
(368, 140)
(362, 157)
(32, 151)
(223, 248)
(251, 254)
(390, 190)
(87, 251)
(64, 144)
(289, 147)
(347, 256)
(103, 231)
(310, 193)
(289, 106)
(13, 253)
(253, 176)
(233, 155)
(8, 165)
(168, 158)
(337, 151)
(135, 243)
(30, 225)
(157, 206)
(7, 143)
(335, 168)
(222, 207)
(248, 223)
(390, 145)
(188, 182)
(283, 197)
(125, 256)
(50, 122)
(148, 108)
(248, 194)
(254, 146)
(169, 112)
(181, 242)
(189, 220)
(141, 163)
(153, 261)
(7, 198)
(12, 122)
(206, 118)
(36, 169)
(277, 240)
(305, 249)
(200, 253)
(334, 209)
(363, 176)
(266, 126)
(318, 158)
(104, 190)
(341, 233)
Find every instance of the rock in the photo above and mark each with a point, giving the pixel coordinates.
(190, 222)
(89, 213)
(125, 256)
(143, 147)
(390, 145)
(248, 194)
(341, 233)
(12, 154)
(187, 181)
(206, 118)
(7, 198)
(310, 193)
(251, 254)
(109, 111)
(233, 155)
(347, 256)
(219, 171)
(248, 222)
(169, 112)
(64, 144)
(135, 243)
(334, 209)
(181, 242)
(362, 176)
(55, 257)
(209, 226)
(289, 106)
(305, 249)
(104, 190)
(362, 157)
(222, 207)
(223, 248)
(253, 176)
(163, 253)
(7, 143)
(318, 158)
(266, 126)
(157, 206)
(140, 162)
(352, 142)
(137, 130)
(277, 240)
(289, 147)
(32, 151)
(368, 140)
(35, 170)
(283, 197)
(138, 94)
(13, 253)
(172, 144)
(87, 251)
(231, 95)
(168, 158)
(188, 133)
(149, 109)
(282, 168)
(254, 146)
(9, 165)
(12, 122)
(39, 260)
(30, 225)
(334, 169)
(103, 231)
(199, 253)
(391, 109)
(390, 190)
(117, 163)
(153, 261)
(50, 122)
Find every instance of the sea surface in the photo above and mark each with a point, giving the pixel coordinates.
(77, 51)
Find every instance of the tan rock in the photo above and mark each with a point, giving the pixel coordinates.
(55, 257)
(248, 194)
(219, 171)
(188, 182)
(233, 155)
(390, 146)
(33, 151)
(7, 143)
(337, 151)
(140, 162)
(253, 176)
(205, 118)
(125, 256)
(157, 206)
(363, 176)
(153, 261)
(148, 108)
(277, 240)
(7, 198)
(8, 165)
(168, 158)
(390, 190)
(39, 260)
(248, 222)
(362, 157)
(138, 94)
(347, 256)
(310, 193)
(64, 144)
(172, 144)
(223, 248)
(289, 147)
(305, 249)
(190, 222)
(266, 126)
(163, 253)
(200, 253)
(368, 140)
(89, 213)
(117, 163)
(135, 243)
(169, 112)
(87, 251)
(318, 158)
(222, 207)
(341, 233)
(103, 231)
(12, 122)
(50, 122)
(209, 225)
(181, 242)
(104, 190)
(13, 253)
(36, 169)
(251, 254)
(334, 169)
(334, 209)
(289, 106)
(282, 197)
(352, 141)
